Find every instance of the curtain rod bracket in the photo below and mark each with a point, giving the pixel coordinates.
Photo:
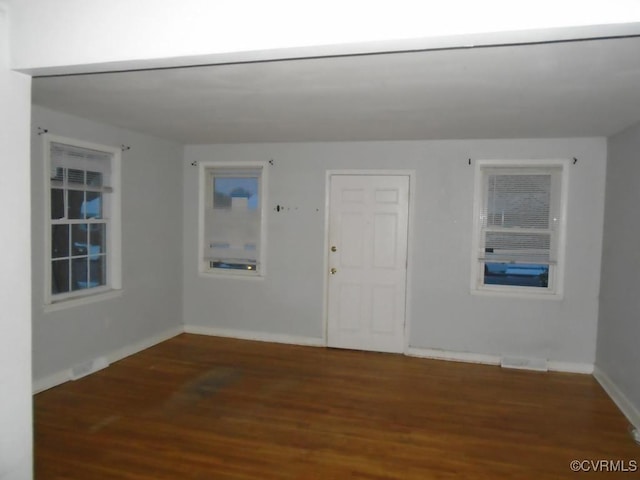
(42, 131)
(124, 148)
(575, 160)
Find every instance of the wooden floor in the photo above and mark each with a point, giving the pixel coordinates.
(199, 407)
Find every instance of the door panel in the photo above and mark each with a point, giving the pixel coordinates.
(385, 234)
(368, 222)
(352, 239)
(349, 307)
(384, 303)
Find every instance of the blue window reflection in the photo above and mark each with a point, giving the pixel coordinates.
(226, 188)
(516, 274)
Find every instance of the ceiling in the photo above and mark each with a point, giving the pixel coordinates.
(566, 89)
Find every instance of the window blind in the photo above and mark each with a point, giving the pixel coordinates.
(232, 236)
(77, 168)
(233, 217)
(518, 218)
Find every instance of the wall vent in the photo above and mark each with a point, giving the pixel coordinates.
(522, 363)
(87, 368)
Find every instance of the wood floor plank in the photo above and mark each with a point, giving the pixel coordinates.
(198, 407)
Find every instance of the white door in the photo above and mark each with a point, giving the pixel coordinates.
(367, 277)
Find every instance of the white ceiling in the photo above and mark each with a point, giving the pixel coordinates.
(583, 88)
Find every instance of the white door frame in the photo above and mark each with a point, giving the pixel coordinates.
(410, 235)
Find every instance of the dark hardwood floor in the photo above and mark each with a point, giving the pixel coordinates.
(198, 407)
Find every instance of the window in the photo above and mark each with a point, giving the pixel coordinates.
(519, 227)
(82, 219)
(231, 219)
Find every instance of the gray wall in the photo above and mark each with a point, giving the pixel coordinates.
(442, 312)
(151, 251)
(618, 353)
(15, 275)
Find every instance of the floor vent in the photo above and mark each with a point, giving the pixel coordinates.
(87, 368)
(522, 363)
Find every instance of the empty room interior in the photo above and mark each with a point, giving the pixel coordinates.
(266, 244)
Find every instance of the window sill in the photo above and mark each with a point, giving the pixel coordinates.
(516, 294)
(84, 300)
(231, 274)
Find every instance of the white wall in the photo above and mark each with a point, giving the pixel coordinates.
(15, 279)
(443, 313)
(150, 306)
(155, 32)
(618, 354)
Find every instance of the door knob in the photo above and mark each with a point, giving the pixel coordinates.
(334, 249)
(333, 271)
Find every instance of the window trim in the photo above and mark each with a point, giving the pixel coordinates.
(113, 285)
(555, 289)
(204, 173)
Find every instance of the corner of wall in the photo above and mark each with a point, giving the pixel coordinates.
(625, 405)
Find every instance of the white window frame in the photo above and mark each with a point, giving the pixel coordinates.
(205, 202)
(113, 286)
(556, 271)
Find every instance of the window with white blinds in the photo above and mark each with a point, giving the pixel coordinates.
(82, 219)
(518, 229)
(77, 168)
(232, 219)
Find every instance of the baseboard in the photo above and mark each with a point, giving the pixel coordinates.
(534, 364)
(58, 378)
(486, 359)
(625, 405)
(50, 381)
(570, 367)
(453, 356)
(257, 336)
(144, 344)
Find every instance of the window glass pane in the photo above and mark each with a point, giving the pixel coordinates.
(92, 207)
(97, 271)
(97, 238)
(59, 276)
(79, 273)
(94, 179)
(235, 193)
(79, 239)
(57, 174)
(76, 201)
(75, 176)
(228, 265)
(59, 241)
(57, 203)
(516, 274)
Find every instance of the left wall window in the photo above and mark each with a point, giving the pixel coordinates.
(82, 209)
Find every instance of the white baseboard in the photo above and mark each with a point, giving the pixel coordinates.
(50, 381)
(453, 356)
(486, 359)
(524, 363)
(570, 367)
(144, 344)
(58, 378)
(625, 405)
(257, 336)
